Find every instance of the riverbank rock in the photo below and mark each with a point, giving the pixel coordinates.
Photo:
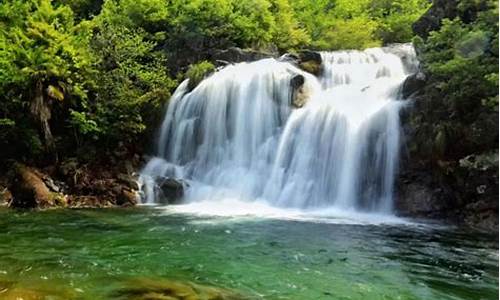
(71, 184)
(30, 191)
(100, 185)
(159, 289)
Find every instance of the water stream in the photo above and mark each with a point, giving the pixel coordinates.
(237, 135)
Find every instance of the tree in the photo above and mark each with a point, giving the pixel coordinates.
(45, 60)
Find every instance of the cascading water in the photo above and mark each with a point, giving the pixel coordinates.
(237, 135)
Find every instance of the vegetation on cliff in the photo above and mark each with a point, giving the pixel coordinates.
(454, 123)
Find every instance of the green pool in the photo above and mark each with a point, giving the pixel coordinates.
(89, 254)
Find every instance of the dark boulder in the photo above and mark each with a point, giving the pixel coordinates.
(413, 85)
(172, 190)
(297, 81)
(298, 97)
(308, 55)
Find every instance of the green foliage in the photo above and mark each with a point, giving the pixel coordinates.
(197, 72)
(461, 61)
(84, 125)
(346, 34)
(343, 24)
(132, 75)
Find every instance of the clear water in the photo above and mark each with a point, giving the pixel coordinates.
(88, 254)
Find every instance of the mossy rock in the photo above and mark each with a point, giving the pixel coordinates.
(310, 61)
(311, 66)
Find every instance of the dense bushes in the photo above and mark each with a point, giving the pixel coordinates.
(344, 24)
(454, 138)
(461, 61)
(196, 73)
(92, 73)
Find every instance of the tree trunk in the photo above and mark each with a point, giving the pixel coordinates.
(40, 108)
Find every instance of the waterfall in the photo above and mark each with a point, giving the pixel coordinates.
(237, 134)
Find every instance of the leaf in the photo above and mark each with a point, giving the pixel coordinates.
(55, 93)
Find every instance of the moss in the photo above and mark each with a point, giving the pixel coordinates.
(197, 72)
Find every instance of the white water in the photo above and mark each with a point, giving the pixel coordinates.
(236, 137)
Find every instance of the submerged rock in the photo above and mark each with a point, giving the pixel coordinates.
(144, 288)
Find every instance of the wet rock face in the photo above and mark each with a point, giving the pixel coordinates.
(418, 200)
(413, 85)
(449, 168)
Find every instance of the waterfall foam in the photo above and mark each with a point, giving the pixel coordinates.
(236, 135)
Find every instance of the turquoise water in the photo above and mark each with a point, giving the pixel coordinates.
(88, 254)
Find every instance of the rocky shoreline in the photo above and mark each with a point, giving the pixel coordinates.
(72, 184)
